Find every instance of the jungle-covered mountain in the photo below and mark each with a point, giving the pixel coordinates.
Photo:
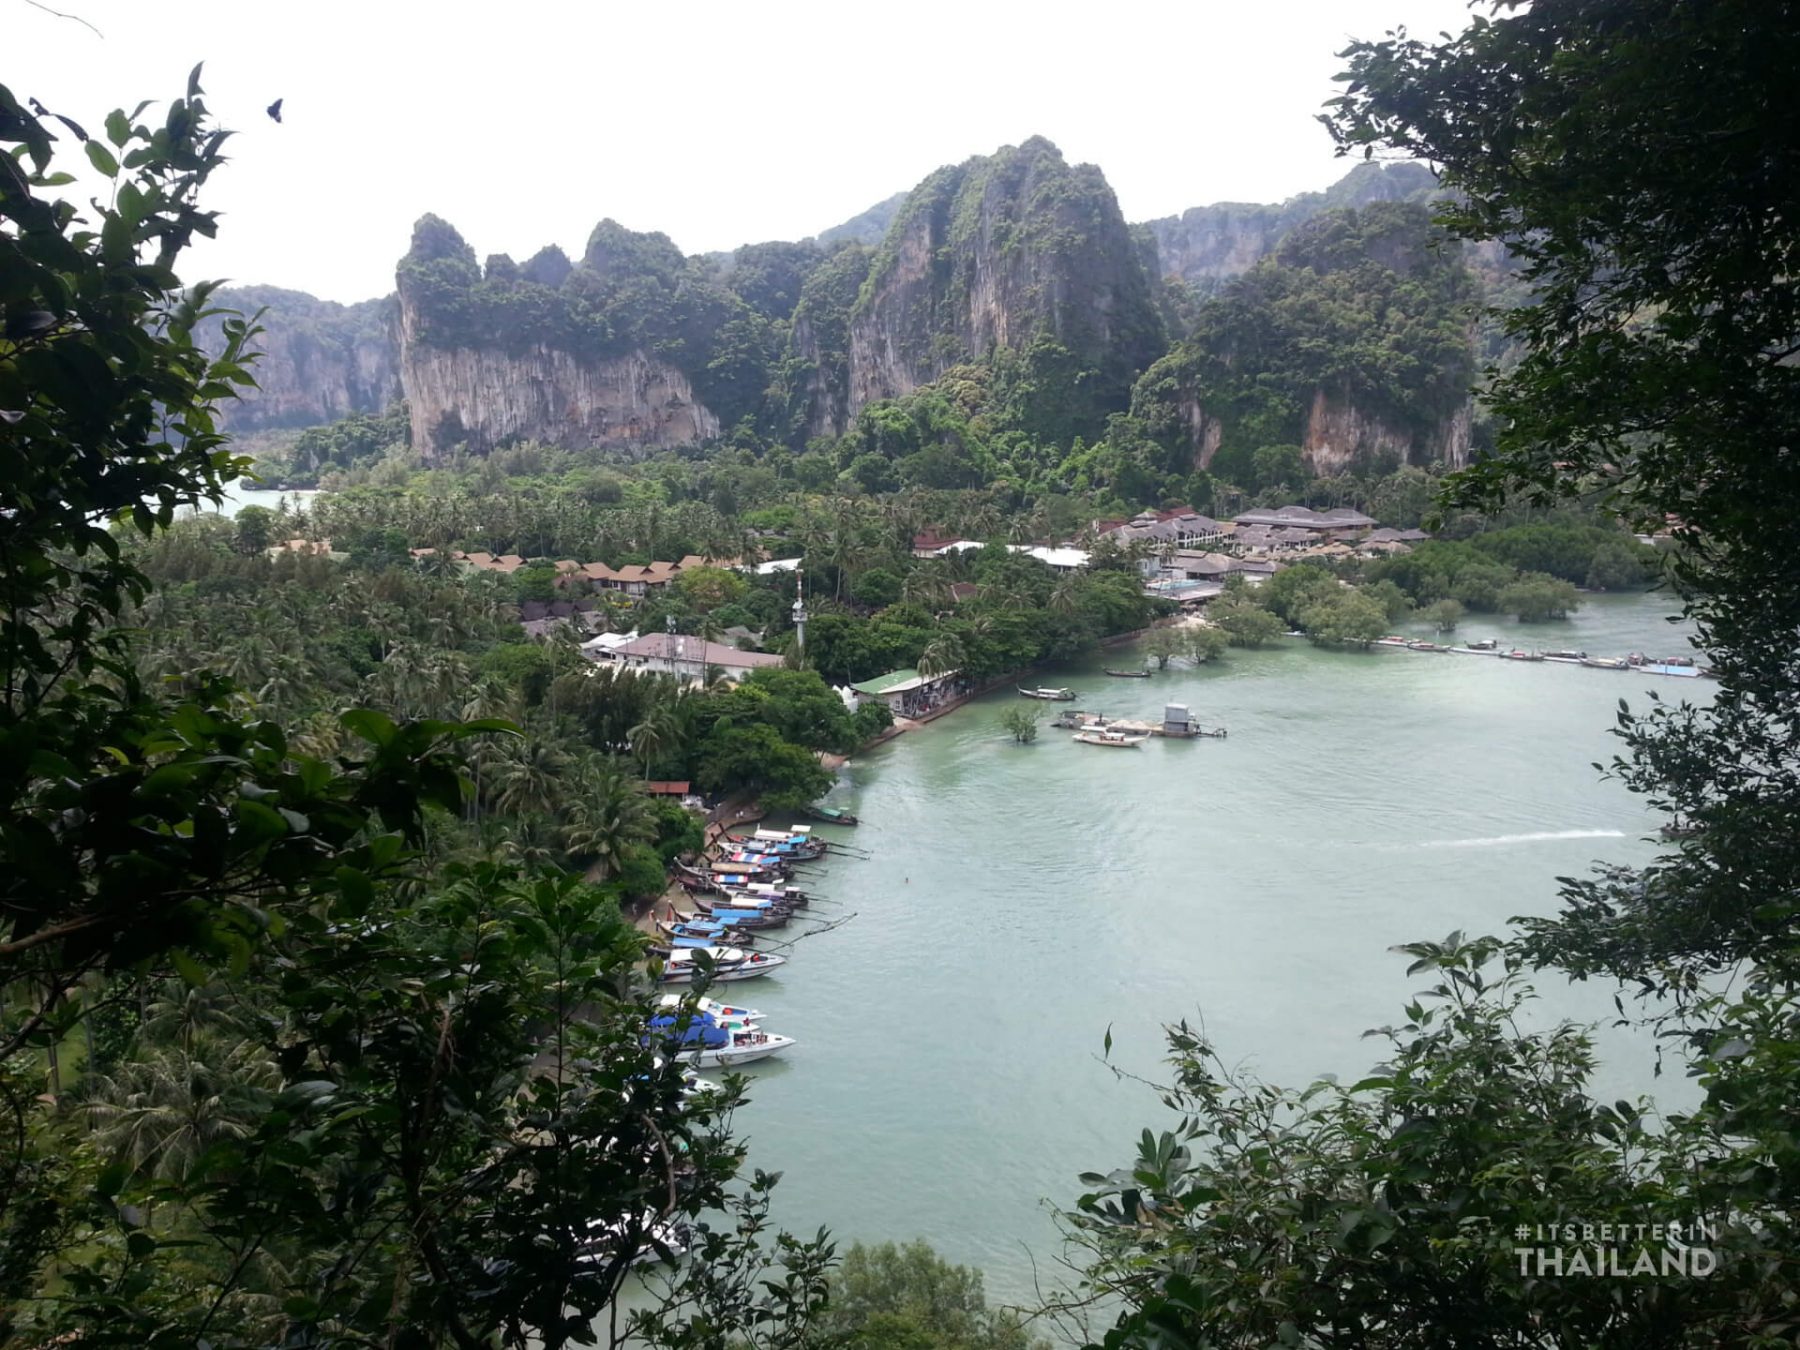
(1008, 285)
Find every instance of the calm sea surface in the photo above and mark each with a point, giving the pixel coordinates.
(1021, 900)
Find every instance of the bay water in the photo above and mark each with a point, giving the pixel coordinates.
(1019, 901)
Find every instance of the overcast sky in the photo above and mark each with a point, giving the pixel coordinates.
(718, 123)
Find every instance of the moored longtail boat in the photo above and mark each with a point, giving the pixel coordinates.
(721, 867)
(829, 815)
(1052, 695)
(1108, 737)
(684, 965)
(688, 930)
(745, 918)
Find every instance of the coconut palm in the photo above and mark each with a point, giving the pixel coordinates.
(528, 776)
(943, 654)
(1065, 595)
(607, 814)
(653, 735)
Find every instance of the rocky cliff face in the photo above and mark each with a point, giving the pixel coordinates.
(549, 351)
(1207, 246)
(996, 253)
(1354, 340)
(319, 360)
(484, 397)
(1338, 431)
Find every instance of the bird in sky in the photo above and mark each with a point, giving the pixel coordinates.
(275, 110)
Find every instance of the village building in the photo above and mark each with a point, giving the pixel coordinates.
(910, 694)
(690, 658)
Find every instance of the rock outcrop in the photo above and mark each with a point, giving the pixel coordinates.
(1354, 340)
(542, 352)
(1207, 246)
(483, 397)
(1338, 432)
(993, 254)
(318, 360)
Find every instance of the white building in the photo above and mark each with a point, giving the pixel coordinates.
(691, 658)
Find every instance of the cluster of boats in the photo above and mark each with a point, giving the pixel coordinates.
(1678, 666)
(742, 889)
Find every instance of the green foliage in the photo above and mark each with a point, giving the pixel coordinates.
(1388, 1212)
(1536, 596)
(1161, 645)
(365, 1101)
(1343, 618)
(1443, 615)
(876, 588)
(254, 527)
(1571, 553)
(1206, 643)
(1244, 622)
(1367, 306)
(1021, 723)
(708, 588)
(1295, 589)
(754, 758)
(908, 1297)
(356, 440)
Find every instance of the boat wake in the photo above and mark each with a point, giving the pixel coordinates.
(1540, 836)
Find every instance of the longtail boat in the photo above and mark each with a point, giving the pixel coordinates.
(1051, 695)
(829, 815)
(1101, 736)
(718, 867)
(1127, 674)
(750, 920)
(736, 918)
(692, 932)
(683, 965)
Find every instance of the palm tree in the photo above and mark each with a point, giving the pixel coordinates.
(528, 776)
(1065, 594)
(652, 735)
(607, 815)
(942, 655)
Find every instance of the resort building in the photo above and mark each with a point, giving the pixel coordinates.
(1303, 525)
(1181, 527)
(691, 658)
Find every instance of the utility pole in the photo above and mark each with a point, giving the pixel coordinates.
(800, 615)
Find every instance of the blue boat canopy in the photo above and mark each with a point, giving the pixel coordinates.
(699, 1030)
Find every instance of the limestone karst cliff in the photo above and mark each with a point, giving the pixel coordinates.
(1353, 340)
(997, 252)
(514, 354)
(1207, 246)
(318, 360)
(1017, 262)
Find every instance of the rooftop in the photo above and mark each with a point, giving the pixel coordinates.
(675, 647)
(898, 682)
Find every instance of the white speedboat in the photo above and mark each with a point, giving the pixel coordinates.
(607, 1242)
(682, 964)
(698, 1040)
(723, 1013)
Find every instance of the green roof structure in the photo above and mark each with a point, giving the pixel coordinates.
(892, 682)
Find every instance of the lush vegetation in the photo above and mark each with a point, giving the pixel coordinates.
(1369, 307)
(1656, 372)
(291, 1055)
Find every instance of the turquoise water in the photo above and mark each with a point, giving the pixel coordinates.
(1022, 899)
